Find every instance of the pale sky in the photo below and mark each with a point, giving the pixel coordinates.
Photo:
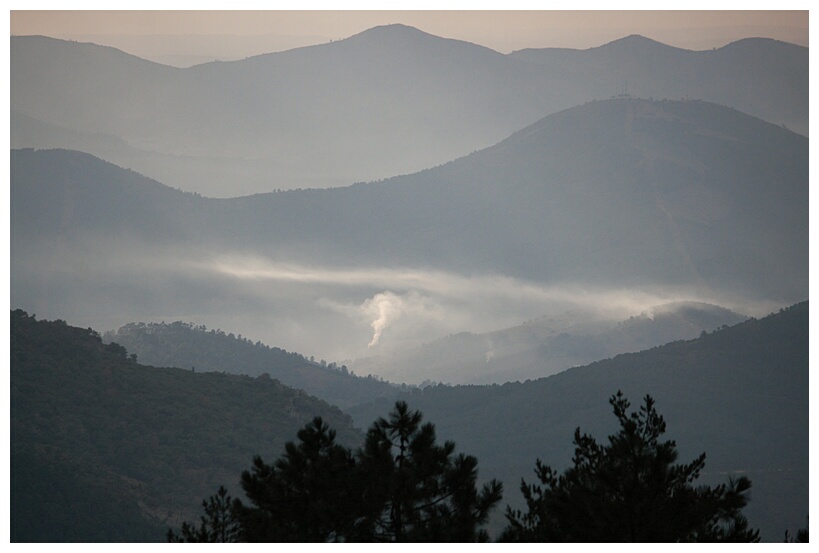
(235, 34)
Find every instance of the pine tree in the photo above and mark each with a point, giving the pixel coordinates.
(630, 490)
(310, 494)
(418, 490)
(220, 523)
(401, 486)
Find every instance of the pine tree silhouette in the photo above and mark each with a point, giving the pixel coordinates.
(630, 490)
(401, 486)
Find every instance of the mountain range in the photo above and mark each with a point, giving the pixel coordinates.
(398, 203)
(391, 100)
(685, 199)
(535, 349)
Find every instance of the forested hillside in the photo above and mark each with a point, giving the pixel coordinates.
(106, 449)
(190, 346)
(142, 445)
(739, 394)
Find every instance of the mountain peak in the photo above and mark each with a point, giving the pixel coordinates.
(393, 27)
(631, 42)
(392, 30)
(635, 38)
(405, 36)
(764, 44)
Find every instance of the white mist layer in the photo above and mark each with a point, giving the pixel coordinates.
(335, 313)
(391, 309)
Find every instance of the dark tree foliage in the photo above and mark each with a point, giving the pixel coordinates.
(220, 524)
(801, 536)
(308, 495)
(87, 423)
(400, 487)
(630, 490)
(418, 490)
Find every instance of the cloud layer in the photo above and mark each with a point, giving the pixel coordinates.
(403, 307)
(335, 313)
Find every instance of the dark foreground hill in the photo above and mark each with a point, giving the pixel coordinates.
(105, 449)
(390, 100)
(739, 394)
(186, 345)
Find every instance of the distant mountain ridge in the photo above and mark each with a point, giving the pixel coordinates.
(390, 100)
(627, 193)
(186, 345)
(645, 68)
(548, 345)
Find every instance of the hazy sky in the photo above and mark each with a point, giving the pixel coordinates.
(187, 36)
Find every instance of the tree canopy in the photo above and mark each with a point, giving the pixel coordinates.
(630, 490)
(308, 495)
(400, 487)
(418, 490)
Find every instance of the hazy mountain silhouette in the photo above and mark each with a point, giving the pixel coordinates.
(186, 345)
(648, 69)
(546, 346)
(618, 192)
(387, 101)
(621, 193)
(738, 394)
(677, 195)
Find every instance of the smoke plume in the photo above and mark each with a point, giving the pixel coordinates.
(386, 307)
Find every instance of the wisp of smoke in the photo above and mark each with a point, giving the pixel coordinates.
(387, 307)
